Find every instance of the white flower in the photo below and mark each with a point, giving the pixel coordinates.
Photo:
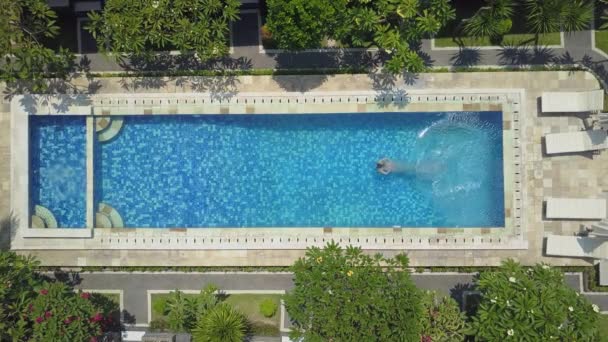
(508, 303)
(155, 4)
(595, 308)
(546, 267)
(512, 279)
(570, 309)
(510, 332)
(531, 311)
(560, 327)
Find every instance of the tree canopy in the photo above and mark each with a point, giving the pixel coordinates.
(396, 26)
(345, 295)
(24, 24)
(531, 304)
(143, 27)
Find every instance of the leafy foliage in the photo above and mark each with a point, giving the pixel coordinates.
(23, 26)
(268, 307)
(443, 319)
(141, 27)
(531, 304)
(345, 295)
(223, 323)
(492, 20)
(183, 311)
(303, 24)
(60, 314)
(392, 25)
(17, 283)
(558, 15)
(38, 310)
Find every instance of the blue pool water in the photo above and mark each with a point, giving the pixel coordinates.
(305, 170)
(57, 167)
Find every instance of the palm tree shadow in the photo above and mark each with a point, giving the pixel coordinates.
(523, 55)
(466, 57)
(7, 231)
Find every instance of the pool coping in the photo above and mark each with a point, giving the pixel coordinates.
(509, 101)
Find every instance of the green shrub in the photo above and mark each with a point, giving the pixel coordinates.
(223, 323)
(160, 305)
(268, 307)
(159, 325)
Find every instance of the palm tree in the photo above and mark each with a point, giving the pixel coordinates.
(546, 16)
(492, 20)
(221, 324)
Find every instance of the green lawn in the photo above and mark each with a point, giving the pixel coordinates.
(601, 40)
(603, 327)
(247, 304)
(509, 40)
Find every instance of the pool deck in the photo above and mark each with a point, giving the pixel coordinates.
(576, 175)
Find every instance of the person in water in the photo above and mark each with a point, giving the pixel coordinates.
(385, 166)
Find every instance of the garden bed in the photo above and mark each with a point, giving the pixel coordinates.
(508, 40)
(451, 34)
(601, 40)
(248, 304)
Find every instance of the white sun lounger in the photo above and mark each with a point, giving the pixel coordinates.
(577, 246)
(581, 141)
(576, 208)
(575, 101)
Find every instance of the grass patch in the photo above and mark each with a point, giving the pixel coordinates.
(509, 40)
(602, 325)
(601, 40)
(247, 304)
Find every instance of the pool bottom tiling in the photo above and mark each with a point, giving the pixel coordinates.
(304, 170)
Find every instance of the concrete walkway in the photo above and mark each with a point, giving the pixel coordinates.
(135, 285)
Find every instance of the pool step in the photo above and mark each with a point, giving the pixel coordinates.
(38, 222)
(102, 123)
(102, 221)
(111, 131)
(46, 215)
(113, 217)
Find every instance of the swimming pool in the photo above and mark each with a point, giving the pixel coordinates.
(57, 167)
(301, 170)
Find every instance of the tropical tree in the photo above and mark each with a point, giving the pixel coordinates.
(392, 25)
(492, 20)
(320, 18)
(546, 16)
(139, 28)
(443, 320)
(184, 311)
(531, 304)
(345, 295)
(223, 323)
(24, 24)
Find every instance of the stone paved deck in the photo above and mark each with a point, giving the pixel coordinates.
(571, 175)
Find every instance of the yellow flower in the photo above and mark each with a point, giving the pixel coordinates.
(319, 260)
(349, 273)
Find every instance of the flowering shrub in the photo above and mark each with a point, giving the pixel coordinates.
(63, 315)
(531, 304)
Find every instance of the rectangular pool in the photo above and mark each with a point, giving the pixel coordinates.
(57, 167)
(293, 170)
